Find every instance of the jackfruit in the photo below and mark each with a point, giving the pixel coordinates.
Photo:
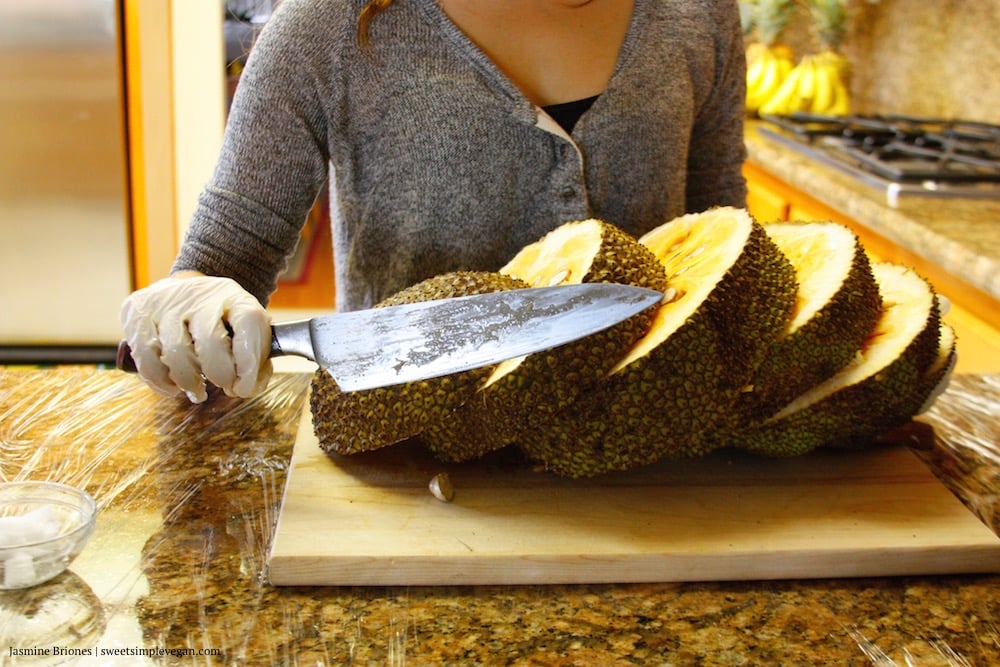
(585, 251)
(775, 340)
(876, 391)
(836, 308)
(935, 379)
(917, 400)
(351, 422)
(730, 294)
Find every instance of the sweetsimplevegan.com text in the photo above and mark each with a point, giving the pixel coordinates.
(110, 652)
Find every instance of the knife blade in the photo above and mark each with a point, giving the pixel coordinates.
(379, 347)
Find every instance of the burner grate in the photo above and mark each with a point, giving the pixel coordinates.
(904, 148)
(902, 155)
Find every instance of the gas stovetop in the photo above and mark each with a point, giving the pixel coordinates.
(899, 154)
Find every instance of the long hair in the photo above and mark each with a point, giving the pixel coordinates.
(368, 12)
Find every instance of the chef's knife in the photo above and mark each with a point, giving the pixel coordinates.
(379, 347)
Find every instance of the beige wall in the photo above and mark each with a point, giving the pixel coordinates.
(929, 57)
(922, 57)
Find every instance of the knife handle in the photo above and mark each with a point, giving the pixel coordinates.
(125, 362)
(293, 338)
(123, 358)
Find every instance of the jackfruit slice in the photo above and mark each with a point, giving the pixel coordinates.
(521, 393)
(876, 391)
(351, 422)
(588, 251)
(931, 386)
(917, 401)
(729, 296)
(837, 307)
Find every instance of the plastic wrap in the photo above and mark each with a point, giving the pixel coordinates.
(967, 455)
(189, 495)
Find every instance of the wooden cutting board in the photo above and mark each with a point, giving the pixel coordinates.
(371, 520)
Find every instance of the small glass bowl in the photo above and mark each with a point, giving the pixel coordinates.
(43, 527)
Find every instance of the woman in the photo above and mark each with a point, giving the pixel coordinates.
(453, 133)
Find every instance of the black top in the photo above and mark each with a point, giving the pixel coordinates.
(567, 113)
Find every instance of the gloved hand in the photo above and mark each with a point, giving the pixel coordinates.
(189, 328)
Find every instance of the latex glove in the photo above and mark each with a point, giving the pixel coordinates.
(177, 329)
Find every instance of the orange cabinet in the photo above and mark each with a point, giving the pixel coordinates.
(767, 205)
(770, 199)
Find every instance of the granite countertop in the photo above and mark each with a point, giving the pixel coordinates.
(189, 496)
(962, 236)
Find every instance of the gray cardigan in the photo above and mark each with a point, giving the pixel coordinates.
(437, 162)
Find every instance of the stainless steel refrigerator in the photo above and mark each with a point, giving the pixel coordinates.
(64, 223)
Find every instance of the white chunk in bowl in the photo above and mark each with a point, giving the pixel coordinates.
(43, 527)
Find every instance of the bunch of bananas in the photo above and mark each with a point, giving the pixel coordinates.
(767, 67)
(815, 85)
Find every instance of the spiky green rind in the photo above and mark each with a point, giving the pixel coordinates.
(854, 414)
(351, 422)
(942, 368)
(669, 402)
(549, 381)
(817, 350)
(622, 259)
(660, 406)
(751, 306)
(462, 434)
(914, 401)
